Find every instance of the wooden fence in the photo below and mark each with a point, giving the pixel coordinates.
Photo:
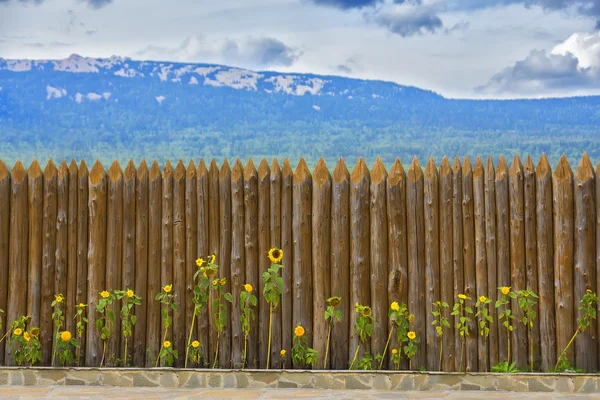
(371, 237)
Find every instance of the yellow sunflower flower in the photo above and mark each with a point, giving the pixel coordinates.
(215, 282)
(58, 298)
(104, 294)
(26, 336)
(411, 335)
(18, 332)
(462, 296)
(482, 299)
(65, 336)
(394, 351)
(168, 288)
(223, 281)
(505, 290)
(130, 293)
(195, 344)
(395, 306)
(167, 344)
(200, 262)
(335, 301)
(299, 331)
(81, 305)
(525, 294)
(213, 258)
(210, 272)
(275, 255)
(366, 311)
(248, 287)
(282, 353)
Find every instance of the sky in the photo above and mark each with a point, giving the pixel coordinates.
(458, 48)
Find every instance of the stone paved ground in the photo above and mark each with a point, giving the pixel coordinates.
(96, 393)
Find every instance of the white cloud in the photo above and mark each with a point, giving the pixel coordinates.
(160, 99)
(54, 93)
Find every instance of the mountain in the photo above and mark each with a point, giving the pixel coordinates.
(121, 108)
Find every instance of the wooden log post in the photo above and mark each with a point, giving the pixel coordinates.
(264, 243)
(82, 248)
(597, 197)
(432, 261)
(96, 262)
(481, 275)
(302, 251)
(36, 203)
(517, 259)
(114, 254)
(17, 255)
(224, 259)
(71, 275)
(340, 260)
(545, 263)
(142, 183)
(214, 236)
(416, 259)
(321, 269)
(532, 280)
(166, 261)
(4, 244)
(457, 255)
(287, 240)
(447, 263)
(128, 267)
(154, 274)
(469, 260)
(586, 346)
(202, 213)
(562, 183)
(275, 222)
(238, 262)
(62, 243)
(251, 256)
(191, 250)
(503, 247)
(48, 261)
(360, 182)
(179, 268)
(491, 253)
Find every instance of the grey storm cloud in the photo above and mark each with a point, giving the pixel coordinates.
(408, 19)
(542, 72)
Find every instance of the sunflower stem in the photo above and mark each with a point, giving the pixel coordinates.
(125, 353)
(217, 350)
(270, 331)
(245, 350)
(187, 349)
(355, 355)
(386, 347)
(327, 346)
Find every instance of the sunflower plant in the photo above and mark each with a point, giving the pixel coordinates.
(587, 306)
(526, 299)
(401, 321)
(483, 321)
(282, 354)
(107, 318)
(410, 348)
(330, 313)
(396, 359)
(206, 270)
(58, 318)
(25, 343)
(247, 301)
(165, 297)
(303, 355)
(81, 321)
(393, 315)
(440, 322)
(273, 288)
(364, 329)
(506, 315)
(64, 347)
(462, 311)
(219, 309)
(128, 319)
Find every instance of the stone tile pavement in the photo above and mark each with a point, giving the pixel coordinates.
(97, 393)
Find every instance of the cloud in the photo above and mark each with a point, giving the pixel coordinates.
(347, 4)
(572, 67)
(91, 3)
(345, 69)
(262, 52)
(409, 17)
(458, 27)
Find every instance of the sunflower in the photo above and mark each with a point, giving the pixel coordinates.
(195, 344)
(18, 332)
(299, 331)
(356, 307)
(168, 288)
(223, 281)
(505, 290)
(335, 301)
(210, 272)
(366, 311)
(411, 335)
(275, 255)
(167, 344)
(215, 282)
(65, 336)
(394, 351)
(395, 306)
(200, 262)
(130, 293)
(462, 296)
(26, 336)
(81, 305)
(526, 294)
(58, 298)
(213, 258)
(411, 318)
(248, 287)
(104, 294)
(588, 291)
(482, 299)
(282, 353)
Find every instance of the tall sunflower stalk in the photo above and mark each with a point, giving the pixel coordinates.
(206, 270)
(219, 308)
(81, 321)
(330, 313)
(247, 301)
(165, 297)
(393, 315)
(273, 288)
(104, 323)
(440, 323)
(364, 329)
(462, 311)
(526, 302)
(128, 319)
(484, 320)
(506, 314)
(58, 318)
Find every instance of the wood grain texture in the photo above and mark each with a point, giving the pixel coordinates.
(416, 259)
(586, 346)
(224, 259)
(457, 254)
(202, 214)
(360, 260)
(142, 208)
(545, 263)
(447, 261)
(517, 258)
(321, 253)
(48, 261)
(340, 260)
(71, 277)
(562, 183)
(18, 255)
(179, 268)
(62, 242)
(238, 261)
(481, 276)
(154, 278)
(491, 253)
(251, 255)
(214, 236)
(469, 259)
(302, 250)
(34, 277)
(128, 268)
(275, 226)
(502, 245)
(4, 244)
(597, 197)
(96, 260)
(191, 247)
(264, 244)
(432, 260)
(166, 261)
(287, 239)
(82, 245)
(114, 253)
